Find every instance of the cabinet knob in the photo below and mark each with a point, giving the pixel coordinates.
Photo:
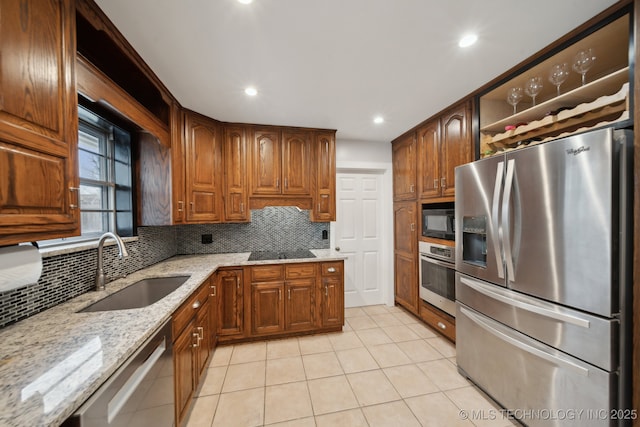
(337, 248)
(442, 325)
(196, 305)
(331, 269)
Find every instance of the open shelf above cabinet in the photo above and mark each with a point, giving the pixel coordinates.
(609, 84)
(602, 101)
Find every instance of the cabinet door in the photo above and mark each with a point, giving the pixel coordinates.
(177, 164)
(456, 144)
(213, 311)
(332, 301)
(296, 164)
(38, 121)
(406, 281)
(404, 168)
(183, 368)
(266, 162)
(325, 192)
(203, 172)
(203, 348)
(236, 197)
(405, 226)
(429, 160)
(300, 304)
(267, 309)
(230, 302)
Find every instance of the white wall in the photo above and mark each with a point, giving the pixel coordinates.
(360, 156)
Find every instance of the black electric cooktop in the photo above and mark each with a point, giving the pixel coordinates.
(271, 255)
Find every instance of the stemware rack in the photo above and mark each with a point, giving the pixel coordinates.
(574, 111)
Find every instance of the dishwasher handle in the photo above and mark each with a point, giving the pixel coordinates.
(122, 396)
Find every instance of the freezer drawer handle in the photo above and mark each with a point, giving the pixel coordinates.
(494, 218)
(525, 347)
(525, 306)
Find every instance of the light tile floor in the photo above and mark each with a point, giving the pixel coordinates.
(385, 369)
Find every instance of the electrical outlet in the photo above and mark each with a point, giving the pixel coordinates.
(207, 238)
(325, 234)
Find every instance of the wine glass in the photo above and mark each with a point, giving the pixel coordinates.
(514, 95)
(533, 87)
(558, 74)
(583, 61)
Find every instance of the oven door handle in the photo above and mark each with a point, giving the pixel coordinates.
(437, 262)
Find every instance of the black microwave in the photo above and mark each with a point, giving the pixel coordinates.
(438, 222)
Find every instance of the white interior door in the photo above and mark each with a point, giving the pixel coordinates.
(358, 234)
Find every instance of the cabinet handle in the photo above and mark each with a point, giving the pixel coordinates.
(237, 282)
(326, 290)
(200, 332)
(443, 182)
(331, 270)
(286, 183)
(289, 291)
(442, 325)
(192, 207)
(277, 182)
(280, 294)
(196, 305)
(412, 188)
(413, 226)
(435, 184)
(197, 337)
(213, 291)
(180, 205)
(77, 191)
(241, 207)
(318, 207)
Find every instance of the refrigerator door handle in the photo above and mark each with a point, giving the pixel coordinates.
(495, 206)
(506, 219)
(481, 288)
(505, 336)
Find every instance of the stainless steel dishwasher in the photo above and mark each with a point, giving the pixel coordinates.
(139, 393)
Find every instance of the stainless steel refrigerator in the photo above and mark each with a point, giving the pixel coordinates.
(543, 279)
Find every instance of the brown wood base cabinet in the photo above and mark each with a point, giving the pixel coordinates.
(282, 300)
(438, 320)
(191, 348)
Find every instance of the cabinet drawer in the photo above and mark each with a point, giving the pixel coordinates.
(183, 315)
(438, 320)
(295, 271)
(332, 268)
(264, 273)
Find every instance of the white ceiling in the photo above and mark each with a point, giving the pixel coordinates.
(337, 63)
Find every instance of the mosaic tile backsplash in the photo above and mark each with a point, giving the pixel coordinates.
(271, 228)
(69, 275)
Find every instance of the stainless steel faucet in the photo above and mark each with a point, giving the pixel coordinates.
(122, 253)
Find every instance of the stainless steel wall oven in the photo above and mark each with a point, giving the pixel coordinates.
(437, 276)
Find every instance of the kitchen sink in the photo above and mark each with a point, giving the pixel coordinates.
(140, 294)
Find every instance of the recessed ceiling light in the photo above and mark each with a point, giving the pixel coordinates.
(468, 40)
(245, 1)
(378, 120)
(251, 91)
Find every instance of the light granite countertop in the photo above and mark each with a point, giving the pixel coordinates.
(52, 362)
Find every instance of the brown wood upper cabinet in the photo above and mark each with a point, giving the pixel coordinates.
(281, 162)
(443, 144)
(38, 121)
(404, 168)
(324, 208)
(203, 168)
(236, 196)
